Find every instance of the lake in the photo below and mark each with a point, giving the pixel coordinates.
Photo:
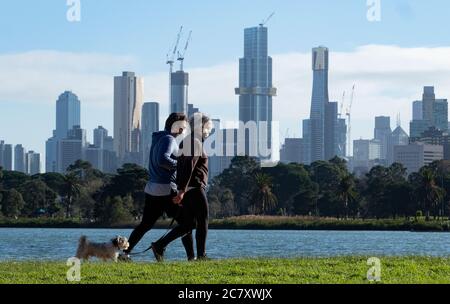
(60, 244)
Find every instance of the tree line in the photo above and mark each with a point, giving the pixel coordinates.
(322, 189)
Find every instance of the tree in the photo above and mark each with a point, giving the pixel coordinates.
(12, 203)
(37, 196)
(346, 192)
(431, 194)
(262, 198)
(113, 211)
(72, 188)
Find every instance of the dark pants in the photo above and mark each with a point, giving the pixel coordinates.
(194, 215)
(155, 207)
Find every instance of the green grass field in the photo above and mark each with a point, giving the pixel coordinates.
(348, 270)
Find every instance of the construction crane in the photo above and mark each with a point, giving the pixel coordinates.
(171, 54)
(170, 61)
(181, 55)
(341, 111)
(264, 22)
(349, 121)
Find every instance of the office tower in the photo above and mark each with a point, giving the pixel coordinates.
(100, 135)
(319, 103)
(71, 148)
(94, 155)
(68, 111)
(256, 90)
(398, 137)
(433, 136)
(150, 125)
(382, 132)
(324, 127)
(366, 154)
(19, 159)
(128, 96)
(6, 160)
(416, 155)
(32, 163)
(434, 114)
(418, 110)
(331, 130)
(179, 85)
(292, 150)
(192, 110)
(306, 129)
(342, 137)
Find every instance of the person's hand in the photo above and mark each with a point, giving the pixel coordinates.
(179, 198)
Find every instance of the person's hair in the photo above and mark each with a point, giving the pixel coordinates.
(173, 118)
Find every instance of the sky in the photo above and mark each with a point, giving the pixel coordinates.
(389, 61)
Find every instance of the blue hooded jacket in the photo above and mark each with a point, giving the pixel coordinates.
(162, 160)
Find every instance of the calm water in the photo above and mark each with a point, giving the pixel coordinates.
(60, 244)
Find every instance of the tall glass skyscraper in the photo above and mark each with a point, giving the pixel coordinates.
(179, 85)
(319, 102)
(150, 124)
(128, 99)
(68, 110)
(255, 82)
(67, 113)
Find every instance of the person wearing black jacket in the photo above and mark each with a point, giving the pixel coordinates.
(192, 179)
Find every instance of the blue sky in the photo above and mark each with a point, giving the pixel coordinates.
(136, 35)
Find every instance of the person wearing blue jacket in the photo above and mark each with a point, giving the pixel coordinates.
(161, 187)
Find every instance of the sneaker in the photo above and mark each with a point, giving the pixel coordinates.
(124, 257)
(158, 252)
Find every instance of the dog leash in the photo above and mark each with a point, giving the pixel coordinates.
(165, 234)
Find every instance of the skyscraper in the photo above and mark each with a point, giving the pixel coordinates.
(150, 124)
(19, 159)
(32, 163)
(255, 86)
(128, 96)
(324, 125)
(68, 111)
(397, 138)
(5, 156)
(382, 132)
(71, 148)
(100, 135)
(179, 92)
(434, 113)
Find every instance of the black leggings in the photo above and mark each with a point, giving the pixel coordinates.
(155, 207)
(194, 215)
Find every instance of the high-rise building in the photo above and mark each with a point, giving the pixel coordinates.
(306, 130)
(325, 129)
(256, 90)
(68, 111)
(434, 113)
(179, 89)
(100, 136)
(32, 163)
(366, 154)
(319, 102)
(6, 160)
(416, 155)
(434, 136)
(398, 137)
(150, 124)
(192, 110)
(71, 148)
(128, 98)
(342, 137)
(382, 132)
(292, 151)
(94, 155)
(19, 159)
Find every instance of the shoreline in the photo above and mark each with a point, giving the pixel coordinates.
(254, 223)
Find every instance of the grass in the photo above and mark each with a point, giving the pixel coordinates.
(258, 223)
(343, 270)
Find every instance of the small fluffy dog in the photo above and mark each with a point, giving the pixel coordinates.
(104, 251)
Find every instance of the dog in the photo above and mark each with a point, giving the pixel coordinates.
(104, 251)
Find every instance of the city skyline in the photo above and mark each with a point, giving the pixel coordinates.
(406, 64)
